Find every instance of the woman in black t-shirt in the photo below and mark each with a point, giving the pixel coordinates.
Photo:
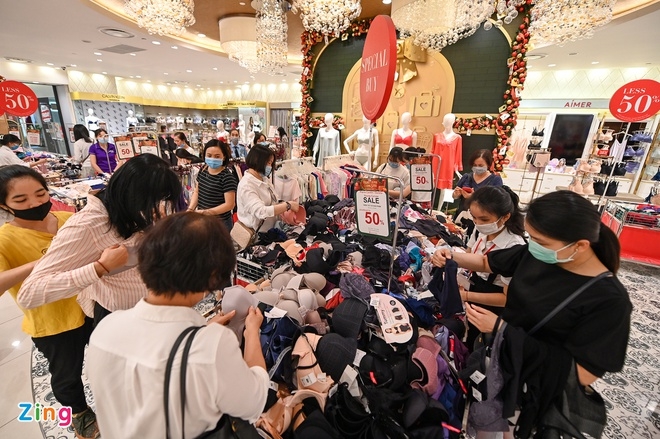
(215, 193)
(567, 247)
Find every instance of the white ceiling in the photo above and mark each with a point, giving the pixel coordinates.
(66, 32)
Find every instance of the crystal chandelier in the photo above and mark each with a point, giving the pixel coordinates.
(271, 29)
(162, 17)
(435, 24)
(238, 38)
(329, 17)
(561, 21)
(506, 10)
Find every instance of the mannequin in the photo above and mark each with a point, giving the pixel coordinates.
(327, 141)
(241, 128)
(404, 136)
(449, 146)
(367, 138)
(91, 120)
(131, 119)
(222, 135)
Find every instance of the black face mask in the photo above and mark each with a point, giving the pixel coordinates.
(34, 213)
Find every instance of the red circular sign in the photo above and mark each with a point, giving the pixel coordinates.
(635, 101)
(17, 99)
(378, 67)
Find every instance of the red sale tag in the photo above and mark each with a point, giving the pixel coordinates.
(636, 101)
(17, 99)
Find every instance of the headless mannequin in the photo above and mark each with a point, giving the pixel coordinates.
(131, 119)
(448, 123)
(449, 146)
(404, 136)
(222, 135)
(367, 138)
(91, 121)
(327, 141)
(241, 128)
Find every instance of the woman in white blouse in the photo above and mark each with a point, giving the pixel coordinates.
(257, 204)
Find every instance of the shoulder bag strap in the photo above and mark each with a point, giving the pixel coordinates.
(168, 374)
(182, 380)
(568, 300)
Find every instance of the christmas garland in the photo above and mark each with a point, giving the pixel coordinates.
(319, 122)
(309, 40)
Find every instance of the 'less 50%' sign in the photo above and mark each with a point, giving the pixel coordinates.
(17, 99)
(372, 210)
(636, 101)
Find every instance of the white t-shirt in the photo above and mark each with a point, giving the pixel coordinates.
(9, 157)
(126, 362)
(81, 152)
(401, 172)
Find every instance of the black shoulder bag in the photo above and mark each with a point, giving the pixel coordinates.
(228, 427)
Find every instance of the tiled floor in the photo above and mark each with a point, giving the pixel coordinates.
(632, 396)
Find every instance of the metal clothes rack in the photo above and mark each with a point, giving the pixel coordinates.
(434, 172)
(339, 160)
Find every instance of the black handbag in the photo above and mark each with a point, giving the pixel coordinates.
(228, 427)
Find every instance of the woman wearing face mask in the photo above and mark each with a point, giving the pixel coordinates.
(481, 162)
(10, 143)
(102, 154)
(81, 149)
(568, 246)
(59, 329)
(257, 204)
(215, 192)
(499, 224)
(181, 141)
(396, 167)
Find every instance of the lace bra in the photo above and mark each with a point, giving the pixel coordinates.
(398, 140)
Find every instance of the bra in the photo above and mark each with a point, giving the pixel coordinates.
(398, 140)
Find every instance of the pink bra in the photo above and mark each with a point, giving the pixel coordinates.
(398, 140)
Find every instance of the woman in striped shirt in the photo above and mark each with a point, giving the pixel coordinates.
(215, 193)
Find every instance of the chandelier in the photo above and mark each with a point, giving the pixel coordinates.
(561, 21)
(271, 30)
(238, 39)
(162, 17)
(435, 24)
(329, 17)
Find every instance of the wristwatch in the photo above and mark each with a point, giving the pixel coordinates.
(288, 206)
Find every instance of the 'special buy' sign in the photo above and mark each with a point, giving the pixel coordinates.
(378, 67)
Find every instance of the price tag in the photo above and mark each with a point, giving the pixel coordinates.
(124, 148)
(17, 99)
(149, 149)
(34, 138)
(372, 209)
(421, 178)
(636, 101)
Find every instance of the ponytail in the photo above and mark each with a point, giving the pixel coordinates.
(516, 222)
(608, 249)
(500, 201)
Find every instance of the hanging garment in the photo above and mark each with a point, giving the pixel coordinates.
(326, 144)
(451, 152)
(403, 140)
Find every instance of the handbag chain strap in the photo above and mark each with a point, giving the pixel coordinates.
(568, 300)
(192, 330)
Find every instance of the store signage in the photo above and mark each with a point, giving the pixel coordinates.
(45, 113)
(113, 97)
(34, 137)
(378, 67)
(636, 101)
(421, 178)
(17, 99)
(124, 147)
(372, 207)
(586, 104)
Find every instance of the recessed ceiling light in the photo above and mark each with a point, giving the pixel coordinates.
(114, 32)
(73, 65)
(50, 64)
(138, 76)
(132, 54)
(36, 82)
(241, 3)
(165, 73)
(201, 35)
(197, 85)
(98, 53)
(284, 80)
(221, 82)
(552, 65)
(573, 53)
(105, 73)
(536, 56)
(15, 343)
(175, 47)
(235, 82)
(168, 83)
(99, 60)
(157, 43)
(189, 71)
(20, 60)
(247, 82)
(131, 76)
(148, 80)
(595, 62)
(215, 68)
(387, 2)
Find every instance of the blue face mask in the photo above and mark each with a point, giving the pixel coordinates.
(267, 171)
(393, 164)
(213, 163)
(14, 147)
(548, 255)
(103, 140)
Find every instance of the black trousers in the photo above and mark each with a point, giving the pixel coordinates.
(65, 353)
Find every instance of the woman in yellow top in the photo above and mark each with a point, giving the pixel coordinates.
(60, 330)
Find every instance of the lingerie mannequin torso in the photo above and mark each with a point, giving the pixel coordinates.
(403, 137)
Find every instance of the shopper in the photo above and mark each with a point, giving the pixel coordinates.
(9, 144)
(481, 162)
(237, 148)
(215, 192)
(81, 149)
(499, 224)
(59, 329)
(568, 246)
(180, 259)
(102, 154)
(94, 253)
(259, 138)
(255, 197)
(181, 141)
(185, 158)
(396, 167)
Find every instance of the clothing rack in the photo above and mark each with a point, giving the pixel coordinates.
(339, 160)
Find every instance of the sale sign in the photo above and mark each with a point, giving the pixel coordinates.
(149, 147)
(636, 101)
(378, 67)
(124, 147)
(17, 99)
(421, 176)
(372, 207)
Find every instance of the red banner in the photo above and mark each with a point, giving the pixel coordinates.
(17, 99)
(378, 67)
(636, 101)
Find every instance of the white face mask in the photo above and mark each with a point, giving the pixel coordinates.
(489, 229)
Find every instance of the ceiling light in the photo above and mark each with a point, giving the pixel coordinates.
(73, 65)
(50, 64)
(138, 76)
(20, 60)
(99, 60)
(387, 2)
(157, 43)
(162, 17)
(189, 71)
(168, 83)
(573, 53)
(131, 76)
(148, 80)
(221, 82)
(132, 54)
(215, 68)
(561, 21)
(15, 343)
(552, 65)
(595, 62)
(105, 73)
(98, 53)
(36, 82)
(238, 37)
(197, 85)
(201, 35)
(175, 47)
(536, 56)
(241, 3)
(235, 82)
(113, 32)
(327, 16)
(165, 73)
